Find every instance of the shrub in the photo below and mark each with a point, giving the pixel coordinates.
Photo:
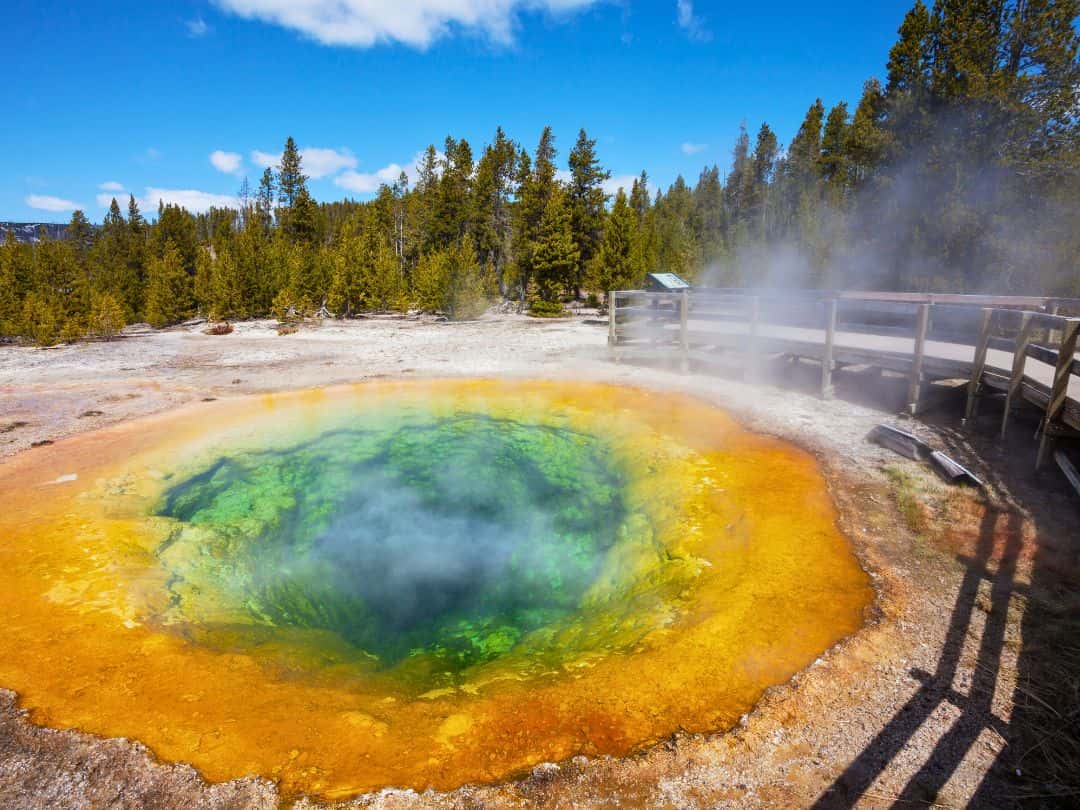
(546, 309)
(106, 316)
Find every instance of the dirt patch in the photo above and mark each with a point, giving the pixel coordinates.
(961, 689)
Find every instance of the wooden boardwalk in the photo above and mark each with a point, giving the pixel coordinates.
(1016, 346)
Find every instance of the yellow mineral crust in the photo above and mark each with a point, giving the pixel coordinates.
(732, 577)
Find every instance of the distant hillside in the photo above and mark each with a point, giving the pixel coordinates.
(31, 231)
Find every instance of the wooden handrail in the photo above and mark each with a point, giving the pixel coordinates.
(815, 324)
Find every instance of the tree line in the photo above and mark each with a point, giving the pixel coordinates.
(961, 171)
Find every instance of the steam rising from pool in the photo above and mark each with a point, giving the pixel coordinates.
(415, 584)
(450, 539)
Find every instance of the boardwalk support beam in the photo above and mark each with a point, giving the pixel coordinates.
(827, 362)
(1060, 388)
(922, 325)
(1016, 381)
(684, 340)
(978, 365)
(752, 347)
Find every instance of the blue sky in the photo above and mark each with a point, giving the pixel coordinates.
(180, 100)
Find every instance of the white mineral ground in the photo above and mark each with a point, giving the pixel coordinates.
(802, 735)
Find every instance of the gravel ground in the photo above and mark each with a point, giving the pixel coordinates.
(914, 710)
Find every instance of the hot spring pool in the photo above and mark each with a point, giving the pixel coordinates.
(415, 584)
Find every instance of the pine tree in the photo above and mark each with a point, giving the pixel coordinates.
(427, 187)
(494, 187)
(80, 234)
(385, 287)
(453, 199)
(40, 321)
(639, 197)
(617, 264)
(467, 298)
(766, 150)
(911, 58)
(109, 261)
(538, 185)
(834, 153)
(556, 255)
(10, 293)
(168, 288)
(226, 301)
(804, 155)
(587, 202)
(291, 178)
(264, 200)
(304, 220)
(867, 140)
(431, 282)
(739, 180)
(106, 316)
(710, 219)
(676, 247)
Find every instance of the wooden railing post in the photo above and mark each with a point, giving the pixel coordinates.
(1052, 335)
(1059, 391)
(922, 324)
(827, 356)
(1023, 340)
(752, 343)
(612, 334)
(684, 340)
(978, 365)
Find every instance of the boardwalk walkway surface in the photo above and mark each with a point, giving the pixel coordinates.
(1016, 346)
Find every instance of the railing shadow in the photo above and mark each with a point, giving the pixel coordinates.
(938, 688)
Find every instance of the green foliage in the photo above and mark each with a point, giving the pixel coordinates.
(961, 171)
(106, 316)
(431, 281)
(546, 309)
(620, 263)
(451, 281)
(291, 179)
(168, 289)
(40, 319)
(587, 203)
(555, 254)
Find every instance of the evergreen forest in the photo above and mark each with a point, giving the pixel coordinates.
(958, 170)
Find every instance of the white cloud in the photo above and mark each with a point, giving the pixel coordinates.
(693, 148)
(191, 199)
(105, 200)
(227, 162)
(418, 23)
(615, 182)
(44, 202)
(363, 183)
(368, 183)
(111, 185)
(267, 160)
(690, 22)
(197, 27)
(316, 162)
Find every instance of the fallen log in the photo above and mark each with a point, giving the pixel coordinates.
(911, 446)
(1066, 466)
(900, 441)
(951, 471)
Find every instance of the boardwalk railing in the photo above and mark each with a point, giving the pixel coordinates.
(1021, 346)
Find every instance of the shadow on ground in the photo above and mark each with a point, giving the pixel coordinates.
(1028, 525)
